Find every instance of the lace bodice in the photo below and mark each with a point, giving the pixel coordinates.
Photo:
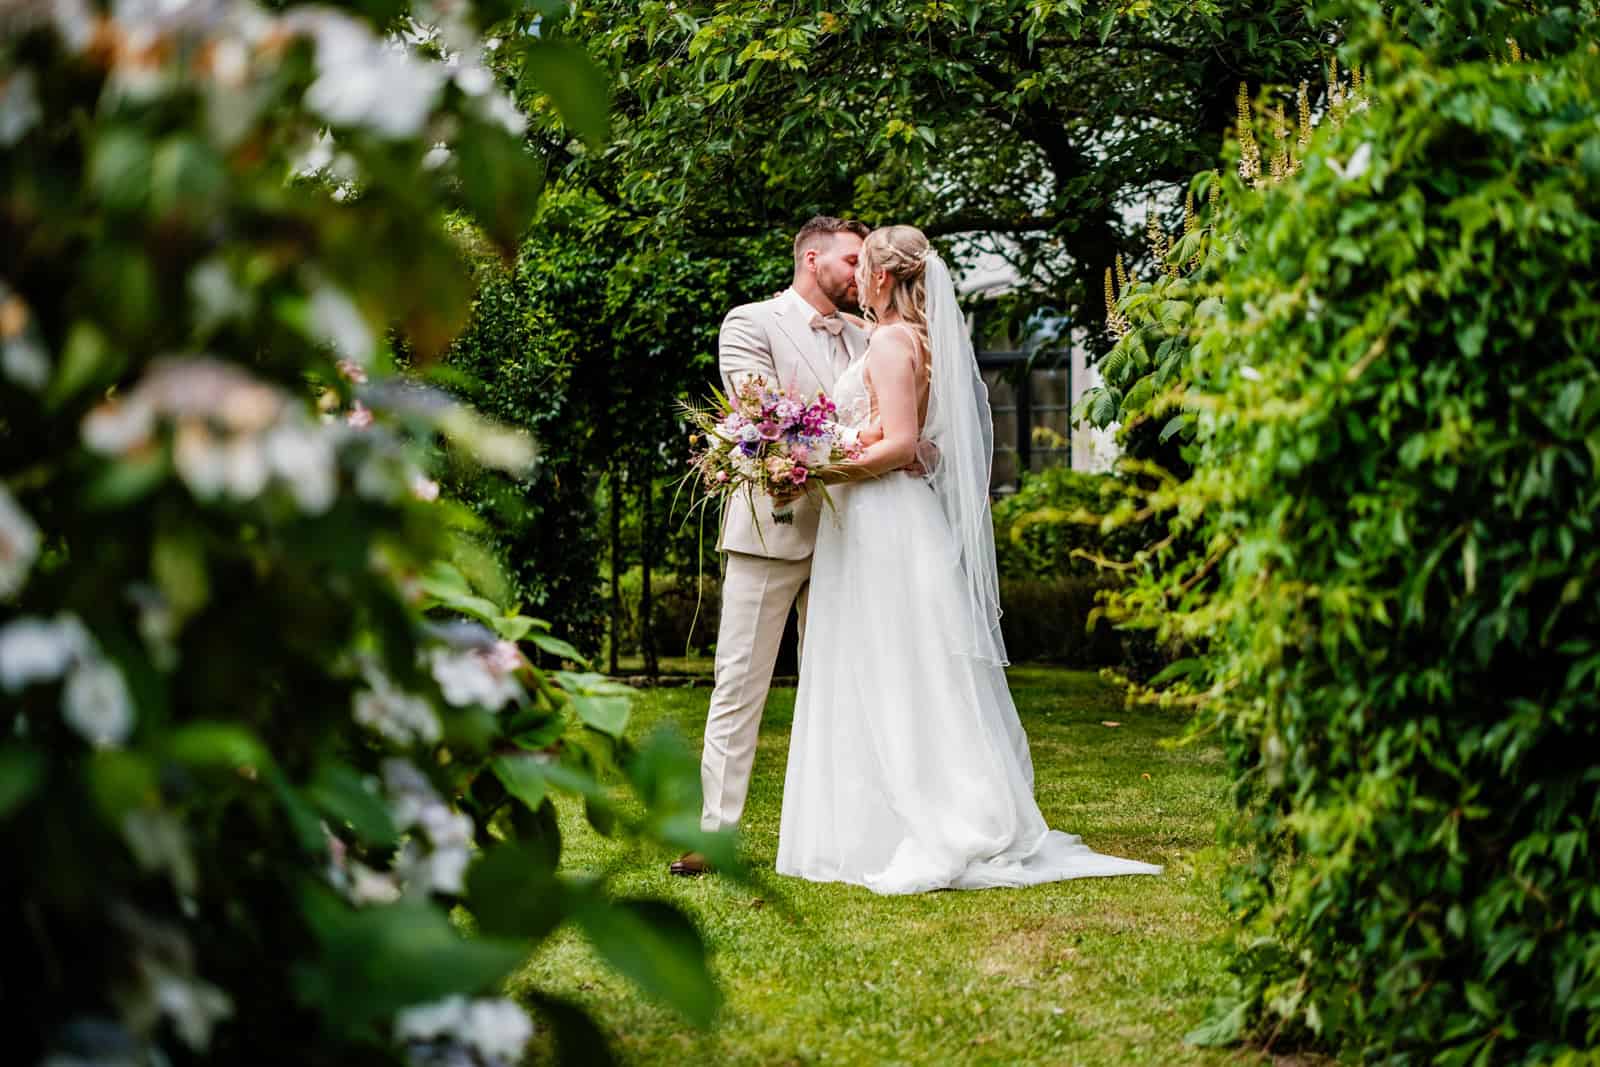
(851, 399)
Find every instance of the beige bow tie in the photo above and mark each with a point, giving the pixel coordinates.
(832, 323)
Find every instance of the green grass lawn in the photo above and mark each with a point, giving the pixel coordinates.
(1096, 971)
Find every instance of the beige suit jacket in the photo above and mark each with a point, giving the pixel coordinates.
(770, 338)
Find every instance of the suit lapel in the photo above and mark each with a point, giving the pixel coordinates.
(800, 336)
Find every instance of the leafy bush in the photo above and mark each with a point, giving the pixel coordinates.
(258, 738)
(1052, 525)
(1392, 375)
(1047, 620)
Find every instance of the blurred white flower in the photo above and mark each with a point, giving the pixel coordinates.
(118, 427)
(216, 296)
(505, 657)
(336, 320)
(302, 453)
(23, 358)
(1249, 373)
(25, 361)
(244, 465)
(368, 886)
(160, 842)
(424, 488)
(198, 456)
(436, 157)
(316, 158)
(474, 79)
(498, 107)
(467, 678)
(97, 704)
(496, 1028)
(195, 1007)
(447, 869)
(1103, 447)
(408, 790)
(1360, 161)
(19, 106)
(444, 826)
(19, 545)
(362, 81)
(352, 372)
(36, 650)
(359, 416)
(402, 717)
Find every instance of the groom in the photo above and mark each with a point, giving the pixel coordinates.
(796, 339)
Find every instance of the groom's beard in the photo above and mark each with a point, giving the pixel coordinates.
(845, 300)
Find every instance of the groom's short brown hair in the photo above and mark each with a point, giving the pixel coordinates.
(820, 226)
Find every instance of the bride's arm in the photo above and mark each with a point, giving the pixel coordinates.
(892, 362)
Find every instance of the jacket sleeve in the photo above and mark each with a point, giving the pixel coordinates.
(744, 349)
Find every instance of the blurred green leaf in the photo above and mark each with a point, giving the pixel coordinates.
(576, 86)
(21, 771)
(375, 962)
(513, 892)
(343, 795)
(523, 777)
(657, 947)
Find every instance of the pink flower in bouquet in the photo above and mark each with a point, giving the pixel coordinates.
(780, 466)
(722, 477)
(799, 475)
(770, 431)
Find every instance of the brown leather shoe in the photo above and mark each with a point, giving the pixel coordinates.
(690, 865)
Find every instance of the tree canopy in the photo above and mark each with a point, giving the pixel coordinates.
(1036, 128)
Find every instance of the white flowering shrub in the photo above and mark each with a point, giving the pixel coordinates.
(258, 739)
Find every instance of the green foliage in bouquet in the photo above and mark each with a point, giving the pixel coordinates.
(259, 737)
(1389, 374)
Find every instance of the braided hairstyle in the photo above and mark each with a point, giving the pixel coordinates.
(902, 251)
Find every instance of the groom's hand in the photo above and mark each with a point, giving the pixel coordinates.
(787, 495)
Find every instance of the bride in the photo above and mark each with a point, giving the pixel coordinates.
(908, 768)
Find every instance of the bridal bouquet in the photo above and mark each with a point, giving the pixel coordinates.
(767, 440)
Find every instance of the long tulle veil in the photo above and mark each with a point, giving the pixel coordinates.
(961, 427)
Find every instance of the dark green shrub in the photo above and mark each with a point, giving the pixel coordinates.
(1395, 387)
(1046, 620)
(1051, 526)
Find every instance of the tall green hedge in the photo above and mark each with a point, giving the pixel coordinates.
(1394, 379)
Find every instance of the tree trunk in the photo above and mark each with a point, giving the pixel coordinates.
(647, 555)
(615, 475)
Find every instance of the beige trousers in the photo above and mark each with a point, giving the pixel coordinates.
(756, 596)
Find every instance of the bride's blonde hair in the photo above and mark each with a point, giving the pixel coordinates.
(902, 251)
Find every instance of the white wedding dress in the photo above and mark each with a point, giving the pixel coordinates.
(908, 768)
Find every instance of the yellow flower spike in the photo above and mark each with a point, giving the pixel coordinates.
(1122, 274)
(1249, 151)
(1190, 221)
(1214, 194)
(1516, 50)
(1305, 116)
(1111, 302)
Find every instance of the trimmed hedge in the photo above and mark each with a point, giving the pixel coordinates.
(1396, 381)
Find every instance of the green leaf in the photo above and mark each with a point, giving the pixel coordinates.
(657, 947)
(343, 795)
(21, 771)
(513, 892)
(220, 745)
(375, 962)
(578, 1039)
(576, 86)
(523, 777)
(608, 714)
(1221, 1028)
(556, 647)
